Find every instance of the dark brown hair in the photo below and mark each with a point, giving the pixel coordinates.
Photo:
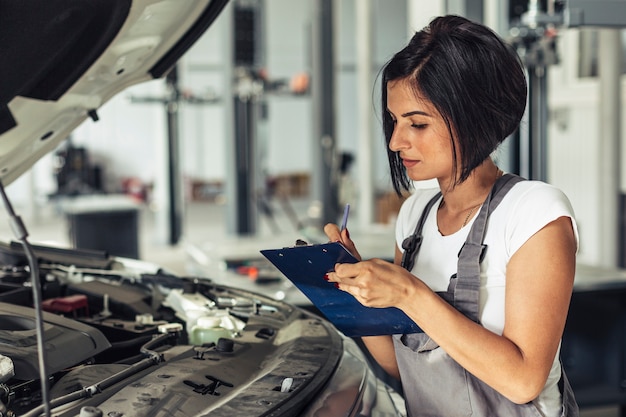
(473, 78)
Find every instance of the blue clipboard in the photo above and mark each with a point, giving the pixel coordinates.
(306, 266)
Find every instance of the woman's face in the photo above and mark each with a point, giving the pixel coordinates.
(420, 134)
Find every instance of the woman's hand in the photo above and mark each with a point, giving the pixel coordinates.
(341, 236)
(376, 283)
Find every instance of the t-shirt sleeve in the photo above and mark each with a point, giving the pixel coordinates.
(538, 205)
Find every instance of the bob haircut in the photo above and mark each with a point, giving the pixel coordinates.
(474, 80)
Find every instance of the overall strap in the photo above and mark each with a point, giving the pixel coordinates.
(412, 244)
(466, 293)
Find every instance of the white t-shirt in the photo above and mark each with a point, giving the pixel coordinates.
(526, 209)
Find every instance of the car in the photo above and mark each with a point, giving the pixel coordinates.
(87, 333)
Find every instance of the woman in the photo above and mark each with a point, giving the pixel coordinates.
(450, 97)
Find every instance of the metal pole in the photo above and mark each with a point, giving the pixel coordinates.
(609, 146)
(365, 156)
(325, 178)
(230, 186)
(244, 164)
(537, 48)
(175, 189)
(241, 209)
(538, 116)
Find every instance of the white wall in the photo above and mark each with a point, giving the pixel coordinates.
(203, 125)
(390, 33)
(287, 135)
(574, 155)
(126, 138)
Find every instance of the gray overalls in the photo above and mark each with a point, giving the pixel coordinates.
(434, 384)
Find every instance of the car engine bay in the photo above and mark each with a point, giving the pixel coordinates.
(117, 334)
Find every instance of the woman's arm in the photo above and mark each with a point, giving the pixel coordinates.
(381, 349)
(540, 278)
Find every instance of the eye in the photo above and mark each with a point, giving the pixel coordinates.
(419, 126)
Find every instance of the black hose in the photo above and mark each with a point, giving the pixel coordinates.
(153, 358)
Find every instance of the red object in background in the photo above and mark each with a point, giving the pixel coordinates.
(134, 187)
(70, 304)
(251, 272)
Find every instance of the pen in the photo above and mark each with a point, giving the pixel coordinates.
(344, 221)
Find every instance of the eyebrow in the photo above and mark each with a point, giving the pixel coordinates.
(411, 113)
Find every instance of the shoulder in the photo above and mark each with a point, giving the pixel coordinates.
(527, 208)
(529, 196)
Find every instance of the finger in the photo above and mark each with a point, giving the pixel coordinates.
(354, 291)
(332, 231)
(345, 238)
(345, 287)
(332, 277)
(347, 271)
(335, 278)
(349, 244)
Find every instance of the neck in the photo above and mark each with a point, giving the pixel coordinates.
(473, 191)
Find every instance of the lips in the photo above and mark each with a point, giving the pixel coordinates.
(408, 163)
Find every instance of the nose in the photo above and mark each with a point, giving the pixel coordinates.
(396, 141)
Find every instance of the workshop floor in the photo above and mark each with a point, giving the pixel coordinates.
(203, 222)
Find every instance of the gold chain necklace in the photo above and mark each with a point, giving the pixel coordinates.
(469, 213)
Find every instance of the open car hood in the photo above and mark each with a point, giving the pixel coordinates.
(63, 59)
